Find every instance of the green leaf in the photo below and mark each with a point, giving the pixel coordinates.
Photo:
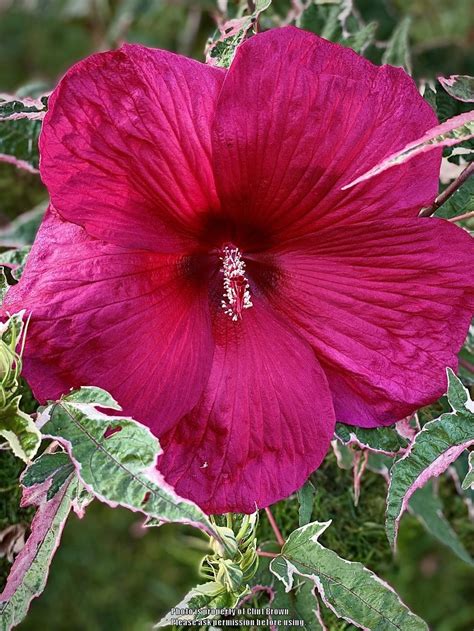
(447, 107)
(337, 22)
(384, 440)
(460, 202)
(438, 444)
(19, 430)
(22, 230)
(362, 38)
(56, 466)
(115, 457)
(397, 52)
(427, 507)
(301, 602)
(29, 573)
(468, 482)
(16, 260)
(458, 86)
(349, 589)
(20, 126)
(306, 502)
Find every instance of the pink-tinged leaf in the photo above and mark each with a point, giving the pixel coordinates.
(115, 458)
(438, 445)
(452, 132)
(29, 572)
(460, 87)
(232, 33)
(18, 163)
(385, 440)
(13, 107)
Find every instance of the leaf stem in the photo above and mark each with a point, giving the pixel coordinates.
(274, 526)
(462, 217)
(270, 555)
(448, 191)
(466, 364)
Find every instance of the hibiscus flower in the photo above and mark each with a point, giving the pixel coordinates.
(202, 263)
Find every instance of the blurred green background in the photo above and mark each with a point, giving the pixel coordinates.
(109, 573)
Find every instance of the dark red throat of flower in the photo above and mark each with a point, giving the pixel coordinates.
(236, 295)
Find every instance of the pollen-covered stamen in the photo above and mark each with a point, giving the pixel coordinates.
(236, 286)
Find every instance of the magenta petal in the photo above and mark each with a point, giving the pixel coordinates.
(126, 149)
(298, 118)
(386, 306)
(263, 424)
(128, 321)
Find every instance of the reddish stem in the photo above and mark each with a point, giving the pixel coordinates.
(270, 555)
(448, 191)
(463, 216)
(274, 526)
(467, 365)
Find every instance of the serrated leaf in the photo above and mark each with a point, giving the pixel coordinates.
(22, 230)
(397, 52)
(454, 131)
(426, 505)
(468, 482)
(301, 602)
(19, 430)
(348, 588)
(459, 86)
(306, 496)
(435, 447)
(194, 606)
(385, 440)
(115, 457)
(29, 572)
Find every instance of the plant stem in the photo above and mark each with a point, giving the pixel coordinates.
(275, 528)
(270, 555)
(449, 190)
(467, 365)
(462, 217)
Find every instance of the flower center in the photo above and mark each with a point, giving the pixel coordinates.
(236, 295)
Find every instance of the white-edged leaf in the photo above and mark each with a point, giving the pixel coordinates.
(19, 430)
(468, 482)
(426, 506)
(452, 132)
(115, 457)
(348, 588)
(385, 440)
(459, 86)
(438, 444)
(195, 604)
(29, 572)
